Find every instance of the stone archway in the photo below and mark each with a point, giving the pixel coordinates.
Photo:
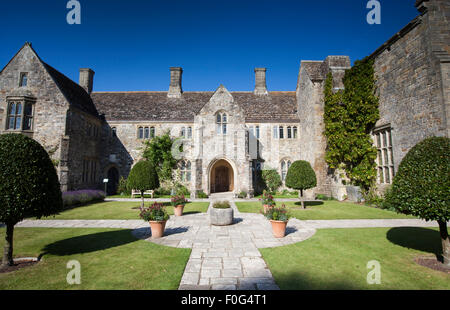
(221, 177)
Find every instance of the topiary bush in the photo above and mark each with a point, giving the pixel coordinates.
(143, 177)
(421, 186)
(301, 176)
(29, 185)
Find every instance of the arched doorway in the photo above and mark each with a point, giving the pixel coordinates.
(113, 181)
(221, 177)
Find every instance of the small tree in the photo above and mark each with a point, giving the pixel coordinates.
(422, 186)
(301, 176)
(142, 177)
(29, 185)
(271, 179)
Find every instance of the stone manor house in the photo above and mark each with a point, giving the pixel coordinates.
(228, 135)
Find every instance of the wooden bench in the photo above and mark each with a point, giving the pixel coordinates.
(135, 192)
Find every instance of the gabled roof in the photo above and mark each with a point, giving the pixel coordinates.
(75, 95)
(155, 106)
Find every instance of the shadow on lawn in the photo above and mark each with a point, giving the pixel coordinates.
(297, 282)
(89, 243)
(417, 238)
(309, 203)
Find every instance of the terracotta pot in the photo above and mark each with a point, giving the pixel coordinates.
(267, 208)
(278, 228)
(178, 210)
(157, 228)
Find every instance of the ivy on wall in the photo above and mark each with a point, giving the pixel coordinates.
(349, 116)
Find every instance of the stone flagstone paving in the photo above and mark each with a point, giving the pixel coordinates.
(226, 257)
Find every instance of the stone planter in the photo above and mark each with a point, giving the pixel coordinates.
(221, 217)
(157, 228)
(278, 228)
(178, 210)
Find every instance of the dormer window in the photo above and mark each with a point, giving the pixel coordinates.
(221, 123)
(23, 79)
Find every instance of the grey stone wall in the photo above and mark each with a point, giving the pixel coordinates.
(49, 115)
(310, 98)
(413, 79)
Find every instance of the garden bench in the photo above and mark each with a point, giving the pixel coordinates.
(136, 192)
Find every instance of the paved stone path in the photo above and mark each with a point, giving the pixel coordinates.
(225, 257)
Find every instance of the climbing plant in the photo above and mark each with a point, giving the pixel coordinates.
(349, 116)
(158, 151)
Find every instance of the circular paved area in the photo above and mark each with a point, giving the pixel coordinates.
(249, 231)
(226, 257)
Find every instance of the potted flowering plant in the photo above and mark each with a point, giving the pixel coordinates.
(157, 216)
(178, 202)
(267, 201)
(279, 218)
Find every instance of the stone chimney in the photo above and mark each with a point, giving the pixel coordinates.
(260, 82)
(175, 82)
(87, 79)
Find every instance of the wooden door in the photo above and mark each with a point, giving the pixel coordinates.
(222, 180)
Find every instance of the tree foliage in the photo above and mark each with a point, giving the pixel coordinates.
(158, 151)
(349, 116)
(421, 186)
(29, 185)
(271, 179)
(301, 176)
(142, 177)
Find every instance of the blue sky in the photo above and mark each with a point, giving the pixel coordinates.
(131, 44)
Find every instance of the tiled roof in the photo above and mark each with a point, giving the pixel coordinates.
(155, 106)
(74, 93)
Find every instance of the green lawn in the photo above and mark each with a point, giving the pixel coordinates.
(115, 210)
(337, 259)
(109, 258)
(326, 210)
(280, 196)
(139, 196)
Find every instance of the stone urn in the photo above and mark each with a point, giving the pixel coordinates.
(157, 228)
(221, 216)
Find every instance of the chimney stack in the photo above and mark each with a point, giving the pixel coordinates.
(260, 82)
(175, 82)
(87, 79)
